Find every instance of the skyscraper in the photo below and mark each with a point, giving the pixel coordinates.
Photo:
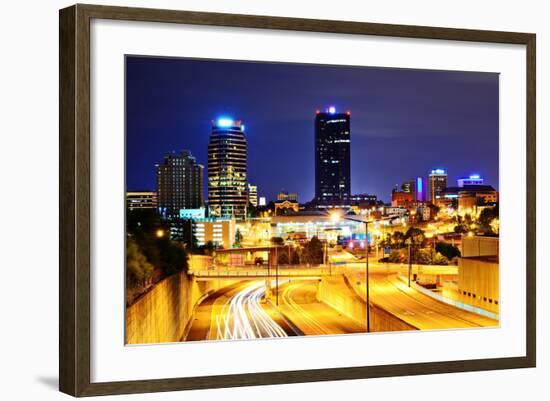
(227, 152)
(179, 184)
(332, 159)
(437, 182)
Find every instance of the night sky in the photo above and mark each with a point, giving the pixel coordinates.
(403, 122)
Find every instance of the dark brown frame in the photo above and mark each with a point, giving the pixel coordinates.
(74, 203)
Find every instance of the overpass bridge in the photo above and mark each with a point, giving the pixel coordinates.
(255, 273)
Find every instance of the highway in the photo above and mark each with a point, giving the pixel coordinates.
(236, 312)
(242, 316)
(425, 313)
(240, 311)
(299, 304)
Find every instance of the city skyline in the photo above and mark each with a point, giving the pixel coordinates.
(166, 112)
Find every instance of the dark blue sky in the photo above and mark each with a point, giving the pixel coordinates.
(403, 122)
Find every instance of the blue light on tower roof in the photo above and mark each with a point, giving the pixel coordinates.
(475, 176)
(332, 109)
(225, 122)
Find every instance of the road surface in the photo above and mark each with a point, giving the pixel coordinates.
(425, 313)
(299, 304)
(236, 312)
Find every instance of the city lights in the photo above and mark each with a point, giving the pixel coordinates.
(225, 122)
(281, 248)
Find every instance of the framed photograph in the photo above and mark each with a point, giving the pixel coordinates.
(250, 200)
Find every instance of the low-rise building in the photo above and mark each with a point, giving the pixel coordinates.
(141, 200)
(468, 198)
(221, 231)
(282, 206)
(402, 199)
(478, 272)
(287, 196)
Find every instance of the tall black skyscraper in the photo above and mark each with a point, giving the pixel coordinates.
(332, 159)
(227, 151)
(179, 184)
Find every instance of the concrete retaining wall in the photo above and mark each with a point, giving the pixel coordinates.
(335, 292)
(163, 314)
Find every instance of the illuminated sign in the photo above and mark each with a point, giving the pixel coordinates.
(419, 189)
(192, 213)
(439, 171)
(225, 122)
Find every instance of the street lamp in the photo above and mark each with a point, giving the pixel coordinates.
(335, 216)
(409, 243)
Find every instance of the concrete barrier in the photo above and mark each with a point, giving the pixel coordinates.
(163, 314)
(338, 293)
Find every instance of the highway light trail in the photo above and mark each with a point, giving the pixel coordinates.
(242, 316)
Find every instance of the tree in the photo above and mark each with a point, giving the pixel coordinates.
(460, 229)
(282, 259)
(295, 258)
(277, 241)
(238, 237)
(486, 218)
(439, 259)
(173, 258)
(313, 252)
(395, 257)
(398, 239)
(416, 235)
(422, 257)
(447, 250)
(138, 269)
(209, 248)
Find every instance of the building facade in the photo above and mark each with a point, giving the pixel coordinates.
(473, 179)
(332, 159)
(402, 199)
(227, 169)
(363, 200)
(253, 195)
(478, 272)
(437, 182)
(468, 198)
(141, 200)
(179, 184)
(287, 196)
(221, 231)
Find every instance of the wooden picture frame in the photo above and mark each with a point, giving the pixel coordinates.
(74, 204)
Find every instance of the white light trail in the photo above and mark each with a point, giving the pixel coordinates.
(243, 317)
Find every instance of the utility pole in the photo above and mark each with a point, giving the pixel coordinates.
(410, 261)
(276, 277)
(367, 275)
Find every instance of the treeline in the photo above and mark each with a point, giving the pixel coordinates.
(150, 253)
(420, 251)
(312, 253)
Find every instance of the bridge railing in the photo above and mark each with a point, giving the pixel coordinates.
(263, 272)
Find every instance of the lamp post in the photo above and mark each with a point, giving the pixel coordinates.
(336, 217)
(276, 276)
(367, 274)
(409, 242)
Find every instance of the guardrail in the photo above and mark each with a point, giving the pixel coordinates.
(272, 272)
(452, 302)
